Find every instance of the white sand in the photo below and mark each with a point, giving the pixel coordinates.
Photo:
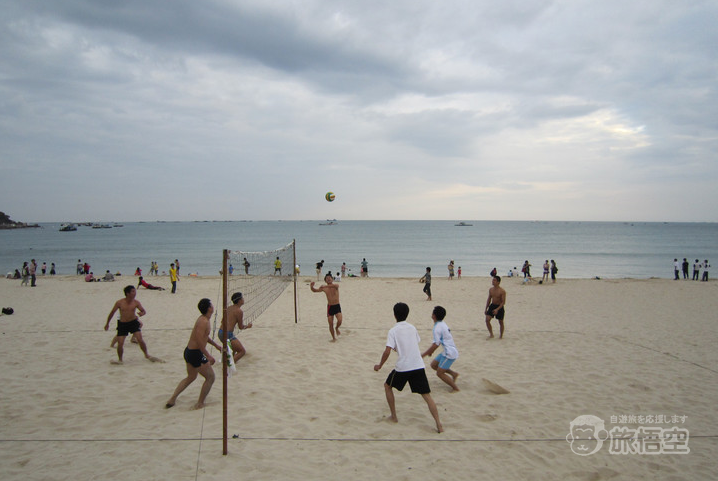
(306, 408)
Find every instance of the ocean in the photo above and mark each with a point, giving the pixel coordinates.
(392, 248)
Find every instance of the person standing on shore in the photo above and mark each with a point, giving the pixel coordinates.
(25, 274)
(334, 309)
(546, 269)
(128, 323)
(426, 279)
(404, 339)
(320, 264)
(177, 266)
(44, 268)
(697, 270)
(52, 269)
(235, 317)
(364, 268)
(173, 278)
(676, 269)
(495, 306)
(442, 337)
(706, 268)
(246, 266)
(196, 356)
(526, 269)
(80, 269)
(685, 268)
(32, 268)
(451, 270)
(277, 266)
(554, 270)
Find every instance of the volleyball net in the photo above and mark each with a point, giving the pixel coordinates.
(261, 277)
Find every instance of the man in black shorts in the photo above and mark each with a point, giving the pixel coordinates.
(331, 290)
(198, 360)
(128, 323)
(404, 339)
(495, 306)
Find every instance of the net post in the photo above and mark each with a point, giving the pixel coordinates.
(225, 256)
(294, 277)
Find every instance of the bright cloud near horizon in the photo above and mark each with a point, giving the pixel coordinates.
(411, 109)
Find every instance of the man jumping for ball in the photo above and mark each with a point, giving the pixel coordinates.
(333, 308)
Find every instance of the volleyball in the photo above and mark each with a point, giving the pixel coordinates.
(330, 196)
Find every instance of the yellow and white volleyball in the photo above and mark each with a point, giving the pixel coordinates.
(330, 197)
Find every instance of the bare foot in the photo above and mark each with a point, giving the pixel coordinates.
(455, 375)
(455, 390)
(333, 340)
(439, 428)
(199, 406)
(490, 337)
(154, 359)
(393, 419)
(169, 405)
(337, 329)
(118, 363)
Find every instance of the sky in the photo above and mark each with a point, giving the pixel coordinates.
(142, 110)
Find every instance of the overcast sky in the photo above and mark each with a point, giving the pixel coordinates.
(408, 109)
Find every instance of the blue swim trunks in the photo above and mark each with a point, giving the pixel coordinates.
(444, 362)
(230, 335)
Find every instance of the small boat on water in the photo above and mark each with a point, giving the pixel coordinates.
(463, 224)
(331, 222)
(68, 227)
(101, 226)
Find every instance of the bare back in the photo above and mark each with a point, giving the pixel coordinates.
(200, 334)
(235, 317)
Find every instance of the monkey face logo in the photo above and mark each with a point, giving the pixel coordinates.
(587, 434)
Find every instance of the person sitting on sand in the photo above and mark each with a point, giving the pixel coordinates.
(235, 317)
(142, 282)
(333, 307)
(404, 339)
(130, 308)
(442, 337)
(196, 356)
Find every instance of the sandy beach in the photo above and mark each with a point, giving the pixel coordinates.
(302, 407)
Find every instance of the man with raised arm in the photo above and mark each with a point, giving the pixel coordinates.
(333, 307)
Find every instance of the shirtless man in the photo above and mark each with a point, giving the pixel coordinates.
(198, 360)
(333, 307)
(128, 323)
(235, 317)
(495, 306)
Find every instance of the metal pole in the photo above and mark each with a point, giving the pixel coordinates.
(225, 256)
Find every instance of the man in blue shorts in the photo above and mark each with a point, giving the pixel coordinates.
(442, 337)
(404, 339)
(198, 359)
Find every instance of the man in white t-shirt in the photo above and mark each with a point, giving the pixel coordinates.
(404, 339)
(442, 337)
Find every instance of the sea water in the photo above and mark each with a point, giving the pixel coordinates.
(392, 248)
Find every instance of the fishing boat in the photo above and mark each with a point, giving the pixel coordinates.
(68, 227)
(463, 224)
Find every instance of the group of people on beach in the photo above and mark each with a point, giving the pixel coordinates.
(698, 269)
(28, 272)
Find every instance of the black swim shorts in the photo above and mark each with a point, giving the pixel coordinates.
(124, 328)
(499, 315)
(333, 310)
(417, 380)
(194, 357)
